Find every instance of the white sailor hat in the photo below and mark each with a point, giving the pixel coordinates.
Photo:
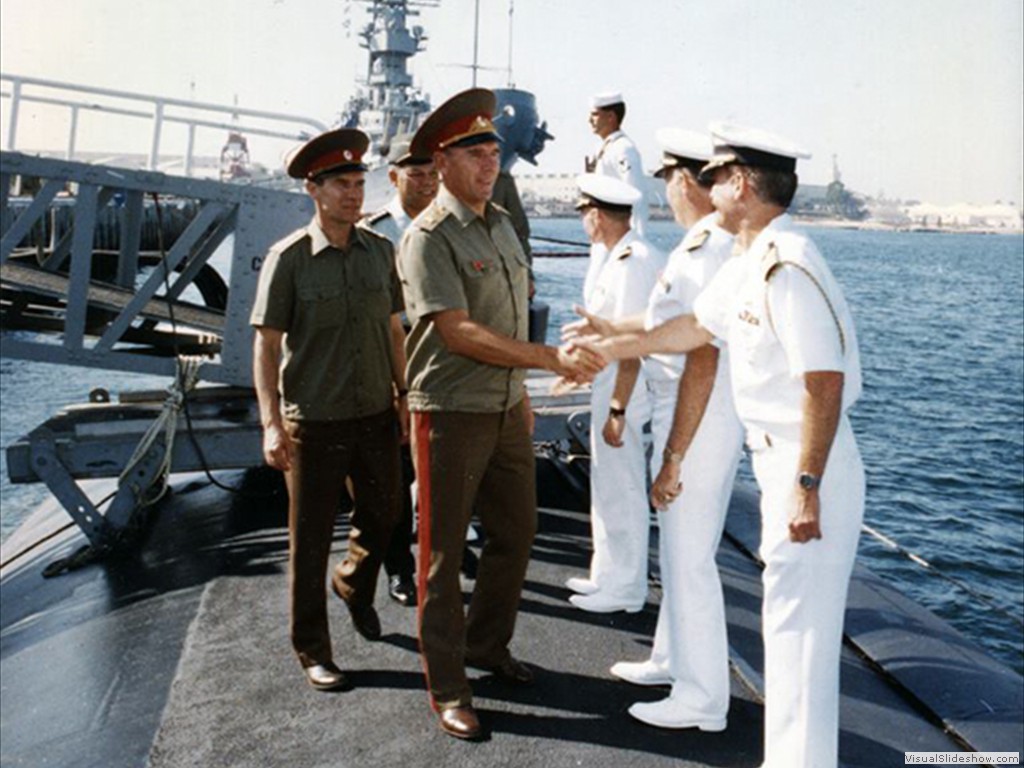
(606, 99)
(739, 145)
(606, 192)
(680, 147)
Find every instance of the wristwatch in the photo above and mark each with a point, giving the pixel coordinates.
(808, 481)
(671, 457)
(616, 412)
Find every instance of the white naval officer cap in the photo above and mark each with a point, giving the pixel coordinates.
(680, 147)
(606, 99)
(740, 145)
(600, 191)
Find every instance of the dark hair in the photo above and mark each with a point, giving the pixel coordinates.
(616, 214)
(619, 110)
(694, 167)
(773, 186)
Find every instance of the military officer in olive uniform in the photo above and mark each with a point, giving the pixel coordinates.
(464, 275)
(328, 376)
(795, 370)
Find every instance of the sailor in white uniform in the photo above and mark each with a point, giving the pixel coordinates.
(416, 182)
(616, 155)
(795, 373)
(623, 270)
(696, 465)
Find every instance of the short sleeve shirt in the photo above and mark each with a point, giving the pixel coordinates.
(780, 327)
(452, 259)
(704, 249)
(334, 307)
(619, 158)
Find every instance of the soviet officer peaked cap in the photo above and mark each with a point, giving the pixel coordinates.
(336, 151)
(606, 192)
(739, 145)
(463, 120)
(400, 155)
(680, 147)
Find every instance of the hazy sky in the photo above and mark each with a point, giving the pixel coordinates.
(917, 98)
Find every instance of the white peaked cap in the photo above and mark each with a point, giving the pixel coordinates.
(606, 191)
(739, 145)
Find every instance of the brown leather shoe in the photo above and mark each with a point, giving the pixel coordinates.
(326, 677)
(461, 722)
(511, 671)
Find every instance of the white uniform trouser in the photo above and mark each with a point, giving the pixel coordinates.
(805, 588)
(690, 638)
(619, 512)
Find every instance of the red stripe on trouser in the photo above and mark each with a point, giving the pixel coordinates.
(421, 459)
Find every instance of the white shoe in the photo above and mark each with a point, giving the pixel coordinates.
(641, 672)
(581, 586)
(669, 713)
(598, 602)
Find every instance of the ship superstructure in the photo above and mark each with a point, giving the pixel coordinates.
(386, 101)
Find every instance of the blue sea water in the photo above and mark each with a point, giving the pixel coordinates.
(940, 320)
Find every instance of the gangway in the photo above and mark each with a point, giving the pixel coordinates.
(184, 306)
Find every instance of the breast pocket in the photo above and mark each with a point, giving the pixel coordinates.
(376, 296)
(323, 306)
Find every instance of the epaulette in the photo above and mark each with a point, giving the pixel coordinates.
(432, 217)
(698, 240)
(770, 261)
(625, 254)
(380, 215)
(501, 209)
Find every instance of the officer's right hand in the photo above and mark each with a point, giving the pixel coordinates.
(277, 448)
(578, 364)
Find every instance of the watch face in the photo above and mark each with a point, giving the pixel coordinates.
(808, 481)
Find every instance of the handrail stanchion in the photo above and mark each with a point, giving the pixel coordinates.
(158, 122)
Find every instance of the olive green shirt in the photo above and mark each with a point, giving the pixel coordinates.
(451, 258)
(335, 309)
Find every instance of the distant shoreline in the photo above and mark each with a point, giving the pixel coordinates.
(870, 225)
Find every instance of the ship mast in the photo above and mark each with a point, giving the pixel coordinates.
(387, 103)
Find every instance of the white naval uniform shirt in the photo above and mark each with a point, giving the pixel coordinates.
(391, 221)
(620, 280)
(704, 249)
(779, 329)
(618, 157)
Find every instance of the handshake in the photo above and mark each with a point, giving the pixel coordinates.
(581, 357)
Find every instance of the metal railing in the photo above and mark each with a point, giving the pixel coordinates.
(160, 110)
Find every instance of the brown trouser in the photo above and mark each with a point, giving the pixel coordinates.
(325, 452)
(468, 462)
